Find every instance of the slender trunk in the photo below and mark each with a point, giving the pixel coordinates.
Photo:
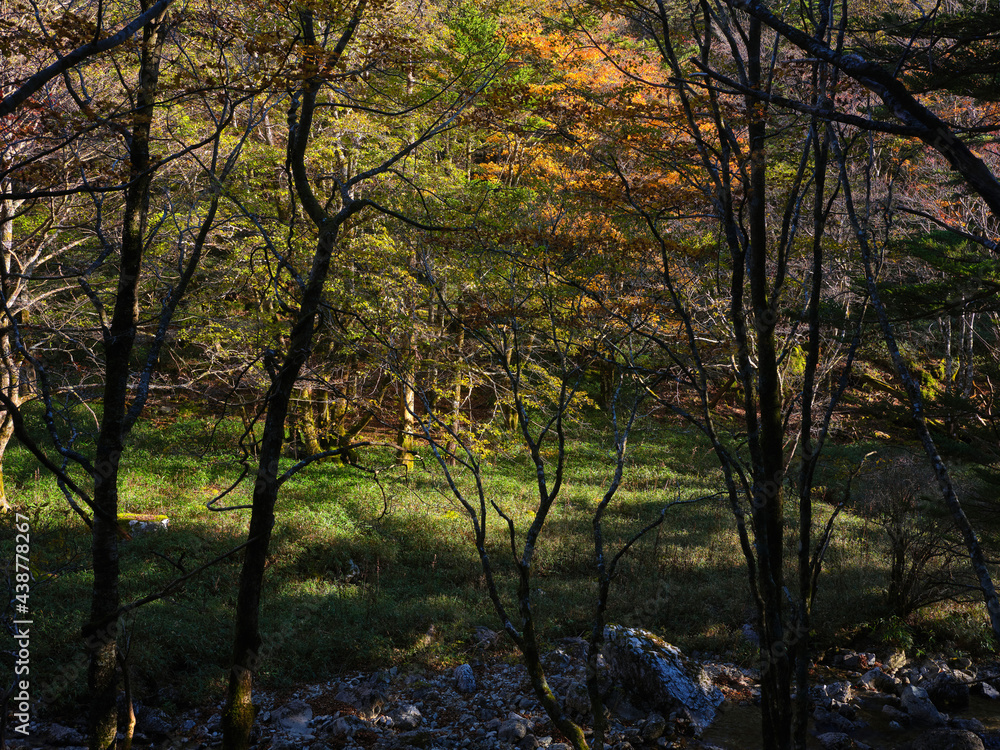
(405, 438)
(769, 462)
(307, 421)
(238, 714)
(119, 340)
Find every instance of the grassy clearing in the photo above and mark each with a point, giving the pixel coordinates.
(366, 574)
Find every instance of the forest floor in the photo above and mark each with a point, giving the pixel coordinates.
(372, 569)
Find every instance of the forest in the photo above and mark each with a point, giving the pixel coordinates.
(406, 318)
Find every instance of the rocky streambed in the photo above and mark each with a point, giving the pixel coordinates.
(859, 701)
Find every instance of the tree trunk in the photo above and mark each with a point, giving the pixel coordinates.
(119, 340)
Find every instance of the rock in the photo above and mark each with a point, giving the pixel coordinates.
(57, 734)
(465, 679)
(528, 742)
(144, 523)
(832, 722)
(895, 714)
(858, 662)
(654, 728)
(895, 660)
(947, 692)
(484, 638)
(750, 635)
(835, 741)
(919, 707)
(948, 739)
(406, 716)
(969, 725)
(513, 730)
(154, 724)
(876, 679)
(346, 726)
(657, 674)
(837, 691)
(294, 717)
(986, 690)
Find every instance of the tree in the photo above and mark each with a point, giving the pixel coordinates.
(108, 244)
(921, 122)
(330, 218)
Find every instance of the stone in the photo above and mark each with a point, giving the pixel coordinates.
(528, 742)
(406, 716)
(57, 734)
(895, 714)
(986, 690)
(294, 717)
(835, 741)
(154, 723)
(895, 660)
(919, 707)
(656, 673)
(840, 692)
(947, 692)
(948, 739)
(654, 728)
(970, 725)
(513, 730)
(876, 679)
(465, 679)
(831, 721)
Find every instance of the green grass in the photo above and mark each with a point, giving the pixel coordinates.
(419, 589)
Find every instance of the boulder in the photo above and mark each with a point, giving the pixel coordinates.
(406, 716)
(513, 730)
(948, 739)
(876, 679)
(657, 675)
(986, 690)
(919, 708)
(294, 717)
(948, 692)
(835, 741)
(465, 679)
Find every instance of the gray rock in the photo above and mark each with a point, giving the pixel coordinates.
(154, 723)
(969, 725)
(654, 728)
(528, 742)
(948, 692)
(986, 690)
(919, 708)
(57, 734)
(513, 730)
(835, 741)
(346, 726)
(406, 716)
(294, 717)
(837, 691)
(465, 679)
(948, 739)
(895, 714)
(657, 674)
(876, 679)
(832, 722)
